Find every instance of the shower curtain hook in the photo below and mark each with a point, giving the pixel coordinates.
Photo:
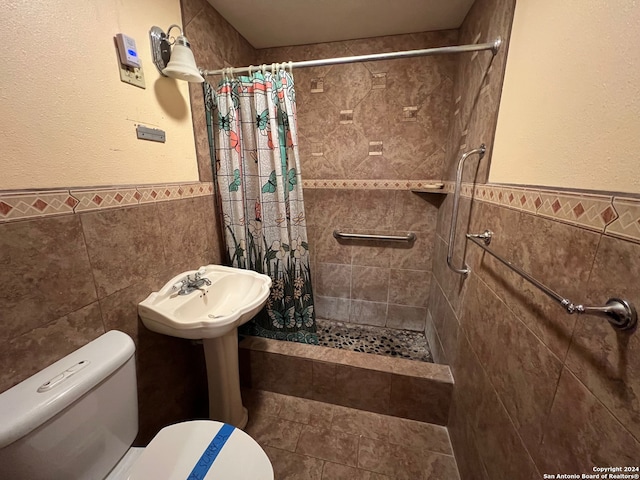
(273, 68)
(290, 67)
(250, 70)
(264, 69)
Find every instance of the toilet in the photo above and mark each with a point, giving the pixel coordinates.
(77, 419)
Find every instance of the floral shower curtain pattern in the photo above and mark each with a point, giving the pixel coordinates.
(257, 169)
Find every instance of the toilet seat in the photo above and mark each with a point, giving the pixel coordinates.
(177, 449)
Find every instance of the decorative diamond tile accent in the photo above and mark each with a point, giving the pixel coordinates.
(346, 117)
(537, 202)
(40, 205)
(71, 202)
(33, 204)
(98, 199)
(5, 209)
(317, 85)
(379, 80)
(608, 215)
(375, 148)
(410, 114)
(627, 224)
(584, 210)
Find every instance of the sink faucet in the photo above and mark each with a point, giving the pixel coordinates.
(188, 284)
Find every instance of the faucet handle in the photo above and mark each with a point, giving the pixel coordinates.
(177, 285)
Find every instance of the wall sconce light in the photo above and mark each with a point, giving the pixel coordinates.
(177, 62)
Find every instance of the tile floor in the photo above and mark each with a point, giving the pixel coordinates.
(309, 440)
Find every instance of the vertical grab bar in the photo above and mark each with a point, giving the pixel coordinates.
(456, 203)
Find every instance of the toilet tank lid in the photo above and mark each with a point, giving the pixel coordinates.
(34, 401)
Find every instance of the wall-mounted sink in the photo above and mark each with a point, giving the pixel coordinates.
(228, 298)
(210, 303)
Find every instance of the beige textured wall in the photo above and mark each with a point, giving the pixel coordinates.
(67, 119)
(570, 109)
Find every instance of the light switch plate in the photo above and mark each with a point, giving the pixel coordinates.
(133, 76)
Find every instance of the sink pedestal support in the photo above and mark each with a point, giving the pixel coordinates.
(223, 375)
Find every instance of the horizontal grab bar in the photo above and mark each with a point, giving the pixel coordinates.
(620, 313)
(410, 237)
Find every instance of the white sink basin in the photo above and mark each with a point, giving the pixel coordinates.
(233, 298)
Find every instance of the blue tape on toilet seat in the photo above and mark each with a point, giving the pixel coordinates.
(211, 452)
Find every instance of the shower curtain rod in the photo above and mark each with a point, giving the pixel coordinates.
(476, 47)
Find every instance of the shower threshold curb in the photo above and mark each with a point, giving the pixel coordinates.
(391, 386)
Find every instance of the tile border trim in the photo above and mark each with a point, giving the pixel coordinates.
(376, 184)
(28, 204)
(610, 214)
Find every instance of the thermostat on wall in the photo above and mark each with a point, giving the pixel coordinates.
(128, 51)
(130, 66)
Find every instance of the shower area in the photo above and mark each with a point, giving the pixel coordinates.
(378, 140)
(366, 136)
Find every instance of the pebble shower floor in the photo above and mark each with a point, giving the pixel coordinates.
(377, 340)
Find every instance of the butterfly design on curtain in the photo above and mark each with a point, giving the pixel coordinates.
(262, 120)
(305, 317)
(233, 186)
(281, 320)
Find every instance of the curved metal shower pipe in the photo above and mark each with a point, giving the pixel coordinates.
(480, 151)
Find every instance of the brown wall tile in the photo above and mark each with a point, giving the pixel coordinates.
(581, 433)
(125, 245)
(44, 273)
(127, 259)
(25, 355)
(332, 308)
(279, 373)
(420, 399)
(606, 361)
(525, 374)
(350, 383)
(409, 287)
(406, 318)
(368, 313)
(188, 233)
(491, 432)
(370, 283)
(333, 280)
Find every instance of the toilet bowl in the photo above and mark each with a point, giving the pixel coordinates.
(77, 419)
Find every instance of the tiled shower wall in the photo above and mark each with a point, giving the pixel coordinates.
(537, 390)
(365, 131)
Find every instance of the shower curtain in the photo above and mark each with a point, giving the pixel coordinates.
(251, 121)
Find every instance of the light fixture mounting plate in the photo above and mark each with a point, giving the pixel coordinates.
(160, 48)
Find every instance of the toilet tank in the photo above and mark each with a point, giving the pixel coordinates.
(76, 418)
